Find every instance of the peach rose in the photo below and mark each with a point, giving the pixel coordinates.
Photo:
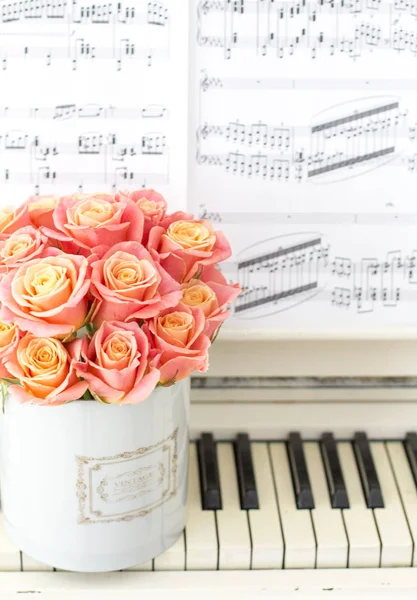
(46, 371)
(47, 296)
(179, 335)
(224, 292)
(41, 209)
(11, 220)
(129, 284)
(9, 337)
(21, 246)
(118, 364)
(186, 245)
(85, 221)
(153, 206)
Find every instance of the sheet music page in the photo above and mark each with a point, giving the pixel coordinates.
(93, 97)
(304, 151)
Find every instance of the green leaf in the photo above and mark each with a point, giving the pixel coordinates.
(89, 314)
(87, 396)
(5, 382)
(91, 329)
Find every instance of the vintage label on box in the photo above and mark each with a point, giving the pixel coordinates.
(128, 485)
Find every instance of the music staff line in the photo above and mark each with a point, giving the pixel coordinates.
(282, 136)
(73, 12)
(213, 83)
(283, 278)
(46, 177)
(87, 144)
(84, 111)
(305, 218)
(80, 50)
(242, 7)
(282, 28)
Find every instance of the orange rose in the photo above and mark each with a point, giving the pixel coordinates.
(46, 371)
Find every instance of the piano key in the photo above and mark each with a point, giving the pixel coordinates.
(172, 559)
(209, 473)
(364, 543)
(201, 534)
(397, 547)
(246, 477)
(406, 488)
(334, 475)
(148, 566)
(232, 522)
(332, 544)
(9, 554)
(31, 564)
(297, 529)
(369, 477)
(411, 449)
(300, 478)
(265, 525)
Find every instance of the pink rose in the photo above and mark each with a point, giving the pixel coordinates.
(41, 209)
(186, 245)
(11, 220)
(21, 246)
(179, 335)
(87, 221)
(153, 206)
(9, 337)
(47, 296)
(212, 294)
(129, 284)
(46, 371)
(119, 366)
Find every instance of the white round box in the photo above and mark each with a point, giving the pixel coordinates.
(93, 487)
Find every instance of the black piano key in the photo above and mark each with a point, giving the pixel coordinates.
(410, 444)
(245, 473)
(301, 481)
(367, 471)
(334, 475)
(209, 473)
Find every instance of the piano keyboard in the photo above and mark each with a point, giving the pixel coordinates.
(289, 504)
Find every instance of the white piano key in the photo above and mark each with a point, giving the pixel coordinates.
(297, 529)
(332, 544)
(9, 554)
(143, 567)
(201, 534)
(392, 525)
(31, 564)
(364, 544)
(406, 487)
(265, 525)
(232, 522)
(172, 559)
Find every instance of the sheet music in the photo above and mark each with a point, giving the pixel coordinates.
(93, 97)
(304, 151)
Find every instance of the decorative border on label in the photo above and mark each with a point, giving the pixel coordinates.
(86, 464)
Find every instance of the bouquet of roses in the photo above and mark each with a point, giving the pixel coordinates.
(106, 296)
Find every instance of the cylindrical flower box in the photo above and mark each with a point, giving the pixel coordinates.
(93, 487)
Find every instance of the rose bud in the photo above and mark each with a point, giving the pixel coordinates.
(179, 335)
(21, 246)
(118, 364)
(47, 296)
(46, 371)
(185, 246)
(129, 284)
(83, 222)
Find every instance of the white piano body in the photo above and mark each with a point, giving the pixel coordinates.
(268, 387)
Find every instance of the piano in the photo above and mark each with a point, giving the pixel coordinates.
(302, 480)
